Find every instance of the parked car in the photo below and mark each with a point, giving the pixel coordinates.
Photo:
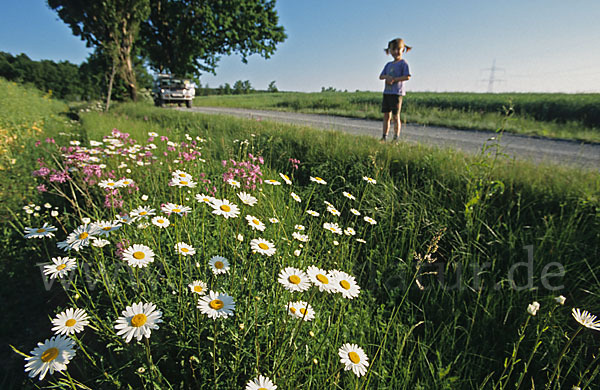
(170, 89)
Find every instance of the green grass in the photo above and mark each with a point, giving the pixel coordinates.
(456, 224)
(549, 115)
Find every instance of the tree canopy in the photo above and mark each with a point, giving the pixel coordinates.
(189, 36)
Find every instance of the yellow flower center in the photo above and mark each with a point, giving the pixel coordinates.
(143, 213)
(107, 228)
(83, 236)
(219, 265)
(49, 354)
(345, 285)
(185, 250)
(70, 322)
(139, 320)
(139, 255)
(176, 210)
(354, 358)
(216, 304)
(197, 289)
(303, 311)
(41, 230)
(182, 175)
(110, 184)
(318, 178)
(256, 221)
(295, 279)
(322, 278)
(263, 246)
(225, 208)
(160, 220)
(126, 183)
(293, 309)
(60, 267)
(184, 182)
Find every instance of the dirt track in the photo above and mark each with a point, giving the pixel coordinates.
(535, 149)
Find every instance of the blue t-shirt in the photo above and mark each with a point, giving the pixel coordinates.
(395, 69)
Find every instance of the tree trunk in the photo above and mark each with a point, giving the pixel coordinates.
(127, 71)
(110, 83)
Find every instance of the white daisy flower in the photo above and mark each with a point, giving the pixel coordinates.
(152, 134)
(321, 279)
(198, 287)
(216, 305)
(297, 252)
(41, 232)
(301, 237)
(138, 255)
(369, 180)
(225, 208)
(247, 199)
(349, 195)
(333, 211)
(125, 182)
(79, 238)
(318, 180)
(109, 184)
(370, 220)
(533, 308)
(52, 355)
(361, 241)
(177, 181)
(137, 321)
(262, 246)
(255, 223)
(332, 227)
(234, 183)
(181, 175)
(295, 197)
(345, 284)
(260, 383)
(104, 228)
(354, 358)
(219, 265)
(99, 242)
(184, 249)
(294, 279)
(142, 212)
(273, 220)
(202, 198)
(273, 182)
(355, 212)
(172, 208)
(313, 213)
(70, 321)
(349, 231)
(240, 238)
(60, 267)
(299, 227)
(286, 178)
(586, 319)
(301, 310)
(161, 222)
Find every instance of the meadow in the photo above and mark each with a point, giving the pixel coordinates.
(194, 251)
(566, 116)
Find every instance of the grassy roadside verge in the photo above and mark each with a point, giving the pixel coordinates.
(530, 116)
(454, 332)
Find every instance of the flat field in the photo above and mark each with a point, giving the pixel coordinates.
(568, 116)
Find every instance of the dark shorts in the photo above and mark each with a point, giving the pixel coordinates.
(391, 103)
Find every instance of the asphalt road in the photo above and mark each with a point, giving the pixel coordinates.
(535, 149)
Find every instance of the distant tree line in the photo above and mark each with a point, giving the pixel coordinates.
(239, 88)
(88, 81)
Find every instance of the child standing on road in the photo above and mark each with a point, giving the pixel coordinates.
(395, 73)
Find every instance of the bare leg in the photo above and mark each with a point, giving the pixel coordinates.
(397, 123)
(386, 124)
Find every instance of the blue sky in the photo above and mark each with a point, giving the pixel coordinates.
(537, 45)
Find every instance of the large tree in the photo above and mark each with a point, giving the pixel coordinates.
(111, 25)
(187, 37)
